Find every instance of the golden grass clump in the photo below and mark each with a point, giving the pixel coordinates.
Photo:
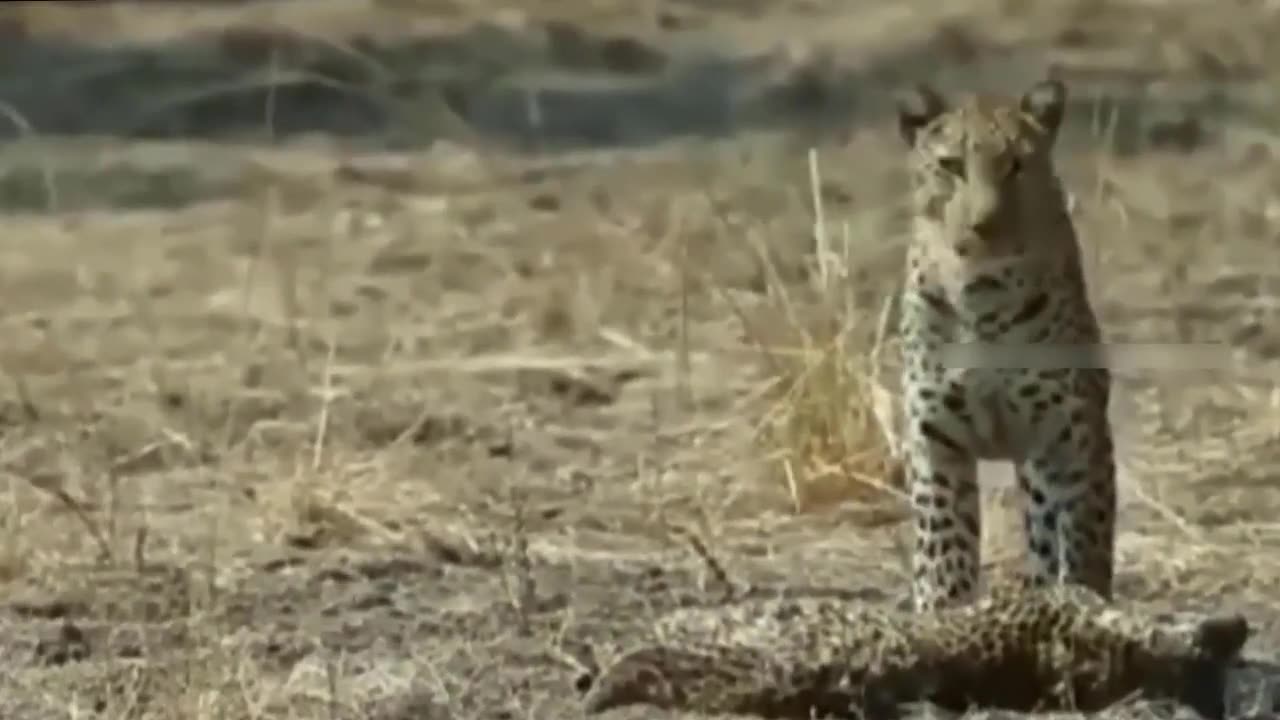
(830, 428)
(827, 436)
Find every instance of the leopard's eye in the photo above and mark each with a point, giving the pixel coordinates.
(952, 165)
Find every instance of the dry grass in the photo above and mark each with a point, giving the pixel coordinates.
(352, 425)
(831, 428)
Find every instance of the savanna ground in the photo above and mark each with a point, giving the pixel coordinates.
(401, 359)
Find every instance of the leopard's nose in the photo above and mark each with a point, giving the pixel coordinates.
(983, 208)
(984, 225)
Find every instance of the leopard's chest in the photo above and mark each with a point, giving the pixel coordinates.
(971, 360)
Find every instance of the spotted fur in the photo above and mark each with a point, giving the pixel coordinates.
(1020, 647)
(1001, 347)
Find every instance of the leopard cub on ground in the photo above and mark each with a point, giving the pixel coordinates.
(1001, 347)
(1019, 647)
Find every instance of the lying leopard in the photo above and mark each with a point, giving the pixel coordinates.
(1020, 647)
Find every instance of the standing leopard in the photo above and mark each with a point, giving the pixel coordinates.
(1001, 347)
(1018, 647)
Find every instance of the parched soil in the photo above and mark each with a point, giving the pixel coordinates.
(403, 360)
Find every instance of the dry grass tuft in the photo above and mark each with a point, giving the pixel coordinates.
(824, 433)
(830, 428)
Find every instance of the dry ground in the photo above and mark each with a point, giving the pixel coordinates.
(383, 364)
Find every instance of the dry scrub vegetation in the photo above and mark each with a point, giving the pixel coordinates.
(343, 378)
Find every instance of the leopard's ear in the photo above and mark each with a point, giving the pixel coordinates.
(1222, 637)
(1216, 645)
(1045, 102)
(917, 106)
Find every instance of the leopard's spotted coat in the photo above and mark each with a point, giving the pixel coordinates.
(1001, 348)
(1018, 647)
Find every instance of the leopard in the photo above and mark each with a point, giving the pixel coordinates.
(1020, 647)
(1001, 349)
